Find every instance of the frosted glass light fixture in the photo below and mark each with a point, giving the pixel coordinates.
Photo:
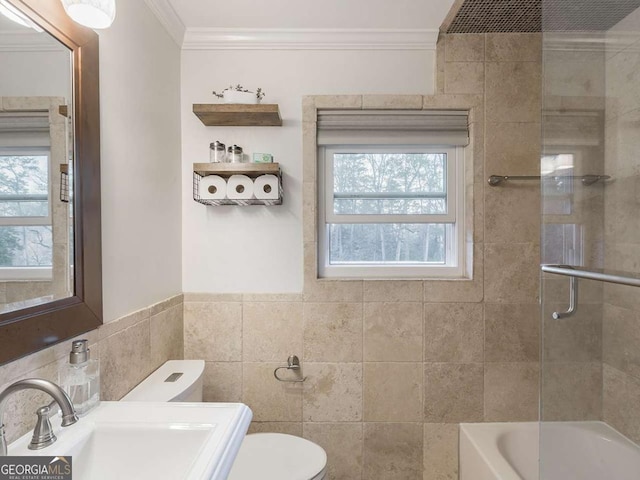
(15, 15)
(91, 13)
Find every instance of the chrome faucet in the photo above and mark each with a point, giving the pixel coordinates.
(43, 433)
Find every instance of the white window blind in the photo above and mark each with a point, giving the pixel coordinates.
(393, 127)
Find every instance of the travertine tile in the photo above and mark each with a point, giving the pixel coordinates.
(381, 102)
(190, 297)
(393, 392)
(453, 332)
(511, 272)
(440, 451)
(290, 428)
(574, 339)
(511, 392)
(272, 297)
(333, 291)
(393, 332)
(464, 47)
(505, 83)
(124, 360)
(571, 391)
(393, 290)
(122, 323)
(271, 331)
(453, 392)
(464, 77)
(166, 304)
(453, 101)
(512, 332)
(338, 101)
(213, 331)
(332, 392)
(623, 201)
(621, 393)
(513, 149)
(167, 335)
(512, 212)
(514, 47)
(343, 443)
(269, 399)
(309, 112)
(333, 332)
(621, 339)
(309, 153)
(222, 382)
(309, 216)
(454, 291)
(393, 451)
(21, 406)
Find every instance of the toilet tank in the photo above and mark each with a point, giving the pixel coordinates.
(175, 381)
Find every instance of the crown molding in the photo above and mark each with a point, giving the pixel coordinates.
(28, 41)
(308, 39)
(169, 19)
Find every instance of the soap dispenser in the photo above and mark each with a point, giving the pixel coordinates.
(80, 378)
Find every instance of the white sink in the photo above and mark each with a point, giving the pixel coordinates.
(134, 440)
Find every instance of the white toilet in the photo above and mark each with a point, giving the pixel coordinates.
(262, 456)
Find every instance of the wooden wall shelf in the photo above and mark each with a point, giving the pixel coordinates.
(238, 115)
(226, 170)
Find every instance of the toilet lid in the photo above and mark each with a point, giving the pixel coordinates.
(277, 456)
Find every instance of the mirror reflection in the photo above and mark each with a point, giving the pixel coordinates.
(36, 214)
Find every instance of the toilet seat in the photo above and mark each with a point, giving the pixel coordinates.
(277, 456)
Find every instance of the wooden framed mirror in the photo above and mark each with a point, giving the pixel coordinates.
(35, 324)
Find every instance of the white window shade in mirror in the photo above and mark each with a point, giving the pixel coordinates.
(91, 13)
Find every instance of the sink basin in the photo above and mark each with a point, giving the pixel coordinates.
(127, 440)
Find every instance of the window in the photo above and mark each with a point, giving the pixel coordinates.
(26, 236)
(390, 207)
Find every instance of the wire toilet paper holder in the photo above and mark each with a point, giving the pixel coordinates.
(293, 363)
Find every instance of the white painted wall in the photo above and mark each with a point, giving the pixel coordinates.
(259, 249)
(141, 188)
(26, 74)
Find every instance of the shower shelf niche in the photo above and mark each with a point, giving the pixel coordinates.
(600, 275)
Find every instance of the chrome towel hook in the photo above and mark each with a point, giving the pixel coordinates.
(293, 363)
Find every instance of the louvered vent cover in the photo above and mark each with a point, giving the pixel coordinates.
(525, 16)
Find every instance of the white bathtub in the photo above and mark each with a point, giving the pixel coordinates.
(570, 451)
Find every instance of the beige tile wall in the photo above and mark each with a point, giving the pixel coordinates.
(393, 366)
(621, 321)
(129, 349)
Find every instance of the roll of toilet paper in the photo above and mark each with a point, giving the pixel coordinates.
(266, 187)
(212, 187)
(239, 187)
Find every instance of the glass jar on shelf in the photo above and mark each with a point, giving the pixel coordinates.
(234, 154)
(217, 152)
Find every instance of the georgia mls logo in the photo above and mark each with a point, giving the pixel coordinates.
(35, 468)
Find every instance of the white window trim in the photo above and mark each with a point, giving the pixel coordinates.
(455, 244)
(20, 274)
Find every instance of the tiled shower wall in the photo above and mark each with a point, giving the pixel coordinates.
(129, 349)
(621, 323)
(393, 367)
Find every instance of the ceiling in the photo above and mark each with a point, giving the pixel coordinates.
(482, 16)
(307, 14)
